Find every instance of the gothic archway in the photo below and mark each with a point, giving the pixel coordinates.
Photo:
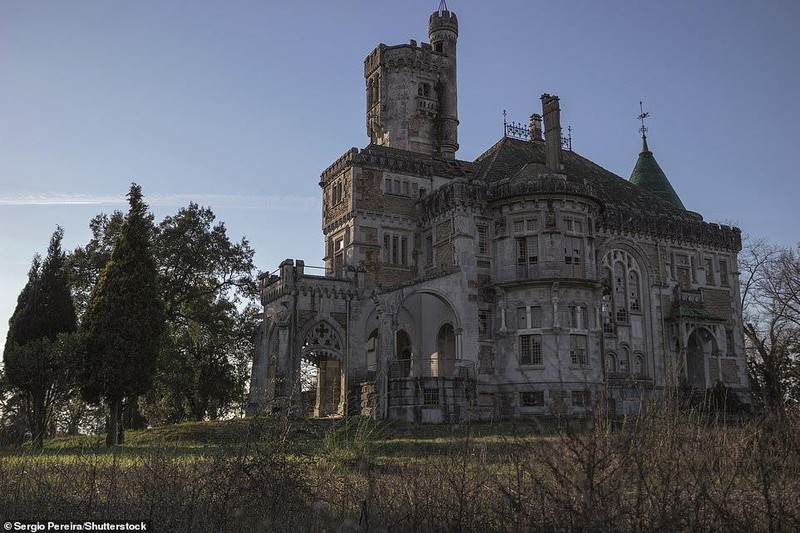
(321, 371)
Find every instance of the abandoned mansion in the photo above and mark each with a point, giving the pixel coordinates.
(530, 281)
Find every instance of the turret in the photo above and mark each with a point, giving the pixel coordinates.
(443, 34)
(411, 91)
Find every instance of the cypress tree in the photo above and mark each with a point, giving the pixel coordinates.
(38, 359)
(124, 319)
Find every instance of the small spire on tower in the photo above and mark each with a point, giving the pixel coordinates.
(642, 115)
(442, 7)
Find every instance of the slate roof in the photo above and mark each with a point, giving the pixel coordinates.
(514, 159)
(649, 176)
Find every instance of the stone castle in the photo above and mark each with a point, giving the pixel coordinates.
(530, 281)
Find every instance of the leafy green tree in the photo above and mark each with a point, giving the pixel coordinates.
(124, 319)
(40, 351)
(205, 279)
(208, 285)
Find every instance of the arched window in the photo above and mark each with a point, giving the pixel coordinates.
(611, 363)
(624, 360)
(625, 284)
(372, 350)
(638, 365)
(446, 350)
(403, 354)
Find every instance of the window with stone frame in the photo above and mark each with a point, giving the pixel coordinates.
(731, 351)
(709, 264)
(430, 396)
(531, 398)
(395, 249)
(500, 226)
(577, 350)
(528, 250)
(683, 272)
(337, 192)
(581, 398)
(484, 324)
(532, 224)
(723, 273)
(482, 233)
(578, 317)
(519, 225)
(530, 350)
(625, 283)
(429, 250)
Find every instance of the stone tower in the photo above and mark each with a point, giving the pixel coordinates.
(412, 94)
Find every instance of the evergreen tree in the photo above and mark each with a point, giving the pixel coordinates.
(124, 319)
(38, 356)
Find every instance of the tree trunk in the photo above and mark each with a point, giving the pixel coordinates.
(38, 421)
(112, 431)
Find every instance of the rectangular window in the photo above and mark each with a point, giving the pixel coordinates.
(723, 273)
(430, 397)
(530, 349)
(522, 318)
(532, 224)
(709, 271)
(397, 186)
(577, 351)
(388, 185)
(522, 250)
(531, 398)
(533, 249)
(395, 249)
(483, 241)
(414, 190)
(500, 226)
(483, 324)
(536, 316)
(406, 190)
(429, 250)
(731, 345)
(581, 398)
(519, 226)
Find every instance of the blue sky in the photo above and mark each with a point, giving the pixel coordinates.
(240, 105)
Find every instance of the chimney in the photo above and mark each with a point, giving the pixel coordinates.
(536, 128)
(552, 132)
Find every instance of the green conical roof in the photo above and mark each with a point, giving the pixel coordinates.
(649, 176)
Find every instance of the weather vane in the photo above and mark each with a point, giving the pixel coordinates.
(642, 116)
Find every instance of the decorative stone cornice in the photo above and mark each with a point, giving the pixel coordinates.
(674, 229)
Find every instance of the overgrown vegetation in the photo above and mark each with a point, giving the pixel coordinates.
(663, 471)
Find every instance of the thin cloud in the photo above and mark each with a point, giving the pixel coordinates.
(227, 201)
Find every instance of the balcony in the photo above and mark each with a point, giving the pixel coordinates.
(545, 271)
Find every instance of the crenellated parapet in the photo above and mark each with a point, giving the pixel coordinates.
(675, 229)
(456, 194)
(293, 280)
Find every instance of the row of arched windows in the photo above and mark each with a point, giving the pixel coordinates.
(623, 279)
(623, 363)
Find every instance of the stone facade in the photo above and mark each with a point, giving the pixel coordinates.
(530, 281)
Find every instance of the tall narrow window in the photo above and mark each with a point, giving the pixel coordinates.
(633, 290)
(577, 350)
(723, 272)
(533, 249)
(522, 318)
(522, 250)
(619, 292)
(483, 241)
(709, 264)
(536, 316)
(429, 250)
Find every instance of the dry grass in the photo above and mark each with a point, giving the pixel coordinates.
(660, 472)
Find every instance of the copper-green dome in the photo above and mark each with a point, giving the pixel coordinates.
(649, 176)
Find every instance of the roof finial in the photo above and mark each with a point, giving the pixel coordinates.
(642, 115)
(442, 7)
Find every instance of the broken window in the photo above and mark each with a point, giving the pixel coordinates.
(530, 349)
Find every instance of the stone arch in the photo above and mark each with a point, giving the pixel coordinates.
(445, 350)
(638, 365)
(322, 347)
(429, 311)
(700, 344)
